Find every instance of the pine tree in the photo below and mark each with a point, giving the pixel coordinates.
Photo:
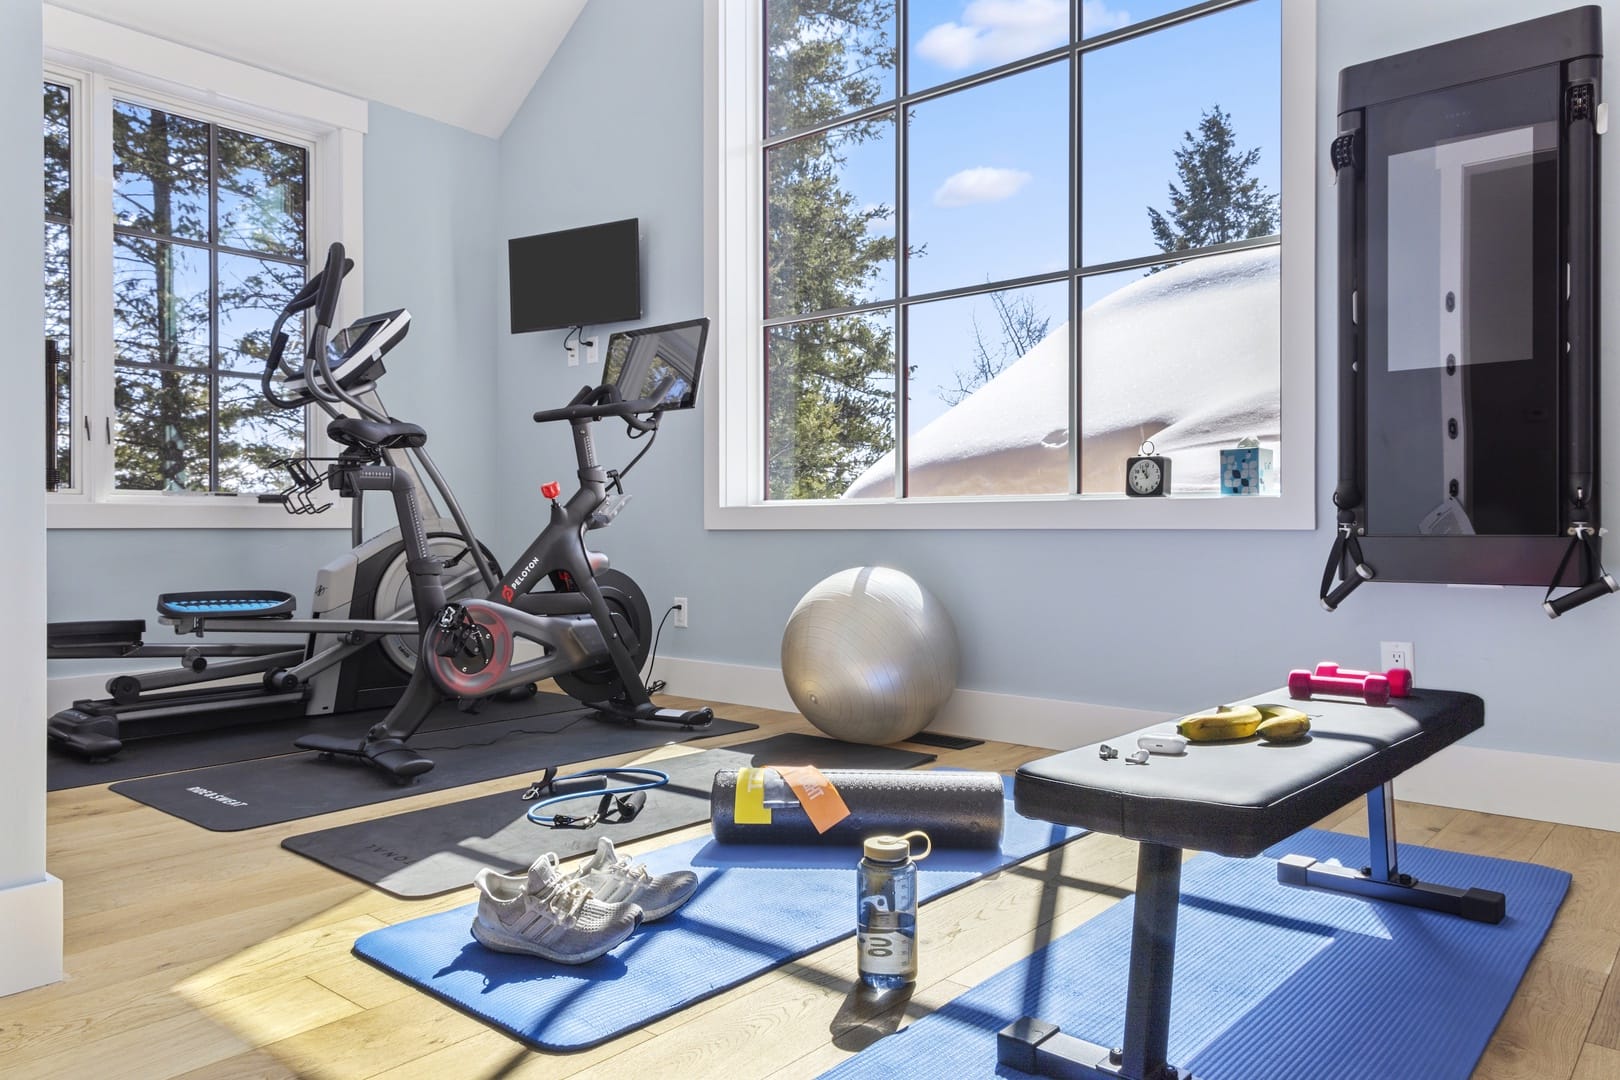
(1218, 199)
(830, 397)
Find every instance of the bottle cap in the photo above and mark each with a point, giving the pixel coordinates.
(895, 848)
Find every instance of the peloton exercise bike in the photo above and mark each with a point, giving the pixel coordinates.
(592, 625)
(355, 655)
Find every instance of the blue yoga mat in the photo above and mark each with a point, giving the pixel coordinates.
(1270, 981)
(757, 907)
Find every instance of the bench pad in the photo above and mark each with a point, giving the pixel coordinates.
(1239, 798)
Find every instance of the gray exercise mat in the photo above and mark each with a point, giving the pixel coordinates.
(424, 853)
(264, 738)
(250, 794)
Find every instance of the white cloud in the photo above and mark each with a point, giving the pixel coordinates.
(980, 185)
(1096, 17)
(995, 31)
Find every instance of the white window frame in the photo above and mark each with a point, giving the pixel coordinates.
(734, 295)
(100, 61)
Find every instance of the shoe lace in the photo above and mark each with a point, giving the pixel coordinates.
(634, 871)
(567, 898)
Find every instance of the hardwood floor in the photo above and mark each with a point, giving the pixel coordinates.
(200, 954)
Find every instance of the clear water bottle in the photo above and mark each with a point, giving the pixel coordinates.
(886, 911)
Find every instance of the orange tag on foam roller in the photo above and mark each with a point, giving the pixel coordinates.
(821, 801)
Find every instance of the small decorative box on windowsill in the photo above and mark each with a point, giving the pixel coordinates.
(1248, 470)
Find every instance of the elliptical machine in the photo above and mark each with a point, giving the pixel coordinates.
(355, 655)
(592, 624)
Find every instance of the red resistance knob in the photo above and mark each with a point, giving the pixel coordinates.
(551, 489)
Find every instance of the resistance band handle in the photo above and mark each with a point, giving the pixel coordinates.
(1350, 584)
(653, 778)
(1603, 586)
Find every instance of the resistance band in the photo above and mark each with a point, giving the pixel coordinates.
(617, 803)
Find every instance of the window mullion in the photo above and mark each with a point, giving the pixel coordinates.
(213, 307)
(1076, 219)
(902, 287)
(96, 258)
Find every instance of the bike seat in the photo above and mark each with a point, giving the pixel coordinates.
(394, 435)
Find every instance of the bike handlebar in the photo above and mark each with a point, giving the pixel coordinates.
(589, 404)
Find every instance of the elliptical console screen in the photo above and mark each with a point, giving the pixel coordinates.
(659, 364)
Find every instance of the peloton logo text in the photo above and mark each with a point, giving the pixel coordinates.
(511, 590)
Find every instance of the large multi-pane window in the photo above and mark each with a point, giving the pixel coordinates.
(209, 239)
(1007, 242)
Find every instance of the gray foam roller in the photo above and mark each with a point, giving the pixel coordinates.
(955, 809)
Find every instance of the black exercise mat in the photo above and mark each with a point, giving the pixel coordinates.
(252, 741)
(945, 742)
(426, 852)
(248, 794)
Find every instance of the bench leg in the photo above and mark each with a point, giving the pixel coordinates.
(1038, 1047)
(1382, 878)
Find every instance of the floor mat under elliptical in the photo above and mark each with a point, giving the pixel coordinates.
(249, 794)
(262, 739)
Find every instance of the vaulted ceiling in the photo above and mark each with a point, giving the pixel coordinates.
(470, 63)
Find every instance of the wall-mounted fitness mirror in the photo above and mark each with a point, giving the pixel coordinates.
(1468, 219)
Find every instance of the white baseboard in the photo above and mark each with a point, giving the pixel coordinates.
(973, 713)
(1570, 791)
(739, 684)
(30, 935)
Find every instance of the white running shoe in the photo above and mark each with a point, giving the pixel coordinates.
(548, 914)
(616, 879)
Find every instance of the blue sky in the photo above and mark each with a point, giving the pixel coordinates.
(989, 166)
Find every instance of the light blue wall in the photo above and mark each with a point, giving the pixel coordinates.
(22, 547)
(430, 232)
(1156, 620)
(603, 136)
(428, 236)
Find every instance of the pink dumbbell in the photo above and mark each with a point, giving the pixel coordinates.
(1400, 679)
(1371, 687)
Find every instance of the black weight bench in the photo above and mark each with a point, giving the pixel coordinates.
(1233, 799)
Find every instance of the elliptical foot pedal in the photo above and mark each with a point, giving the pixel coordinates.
(227, 604)
(390, 756)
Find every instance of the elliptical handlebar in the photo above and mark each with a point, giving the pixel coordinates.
(320, 292)
(331, 279)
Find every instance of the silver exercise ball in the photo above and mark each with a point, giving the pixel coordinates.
(869, 655)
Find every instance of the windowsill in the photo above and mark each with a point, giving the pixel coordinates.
(183, 512)
(1211, 511)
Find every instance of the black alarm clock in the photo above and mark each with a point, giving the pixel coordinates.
(1147, 474)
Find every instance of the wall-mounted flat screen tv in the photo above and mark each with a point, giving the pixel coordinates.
(576, 277)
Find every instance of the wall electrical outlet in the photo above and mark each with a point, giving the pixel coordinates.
(1393, 654)
(681, 607)
(573, 355)
(590, 350)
